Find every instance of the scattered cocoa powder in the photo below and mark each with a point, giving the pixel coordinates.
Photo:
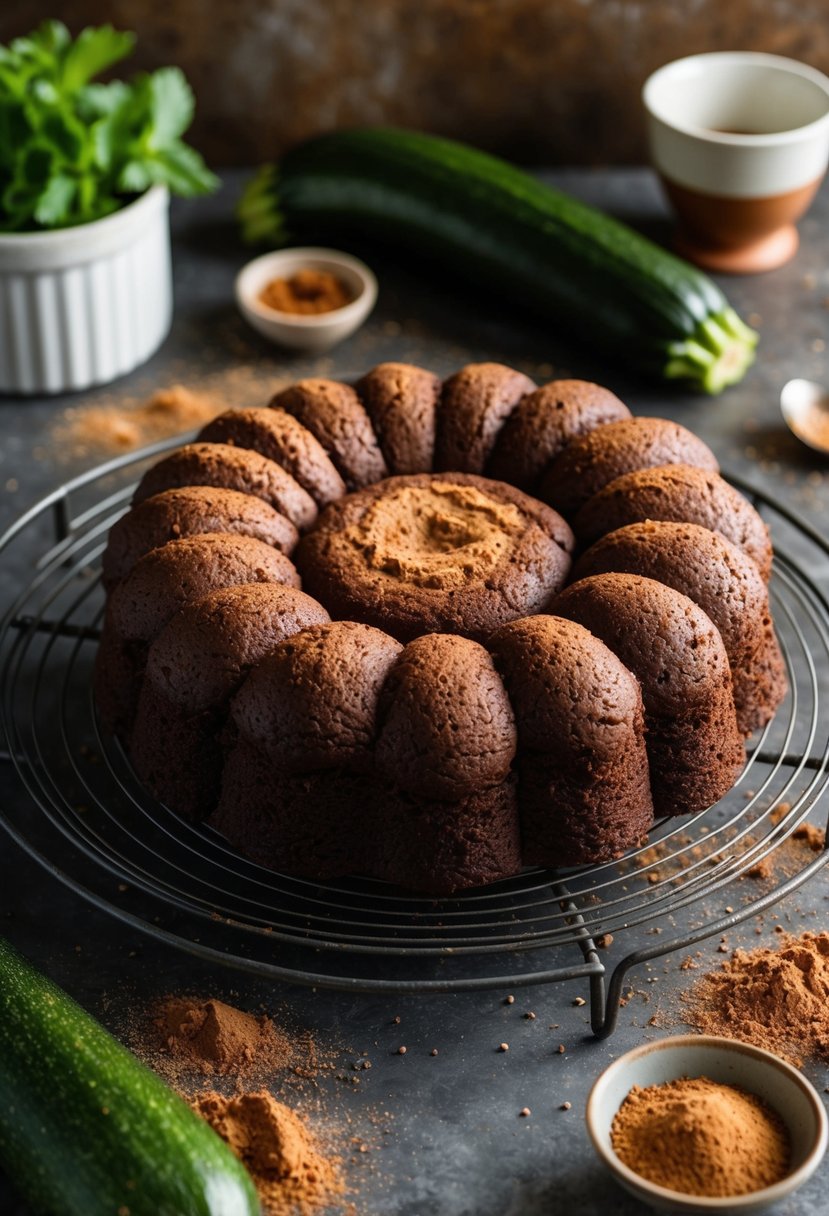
(216, 1039)
(762, 871)
(787, 858)
(108, 429)
(773, 998)
(307, 292)
(700, 1137)
(291, 1171)
(813, 837)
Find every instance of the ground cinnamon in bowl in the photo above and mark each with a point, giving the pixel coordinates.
(306, 292)
(700, 1137)
(293, 1174)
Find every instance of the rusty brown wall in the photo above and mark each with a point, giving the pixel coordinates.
(553, 81)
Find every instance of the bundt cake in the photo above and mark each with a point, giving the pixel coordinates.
(345, 630)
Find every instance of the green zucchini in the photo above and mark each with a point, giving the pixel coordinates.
(86, 1130)
(502, 229)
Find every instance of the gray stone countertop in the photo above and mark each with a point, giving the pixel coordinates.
(443, 1133)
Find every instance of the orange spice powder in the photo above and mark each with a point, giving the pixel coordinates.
(307, 292)
(293, 1174)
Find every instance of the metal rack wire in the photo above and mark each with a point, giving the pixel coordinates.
(89, 821)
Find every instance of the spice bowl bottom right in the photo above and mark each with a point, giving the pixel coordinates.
(727, 1062)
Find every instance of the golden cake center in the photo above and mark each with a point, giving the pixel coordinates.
(439, 536)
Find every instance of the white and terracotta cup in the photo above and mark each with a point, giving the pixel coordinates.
(741, 142)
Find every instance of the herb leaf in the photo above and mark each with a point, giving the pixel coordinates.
(56, 199)
(73, 150)
(172, 105)
(94, 50)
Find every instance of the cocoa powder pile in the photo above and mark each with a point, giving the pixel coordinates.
(701, 1138)
(212, 1038)
(292, 1173)
(773, 998)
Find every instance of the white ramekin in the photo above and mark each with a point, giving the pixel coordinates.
(315, 332)
(81, 306)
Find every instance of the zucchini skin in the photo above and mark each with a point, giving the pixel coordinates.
(87, 1130)
(503, 229)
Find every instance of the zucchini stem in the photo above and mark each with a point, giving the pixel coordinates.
(716, 355)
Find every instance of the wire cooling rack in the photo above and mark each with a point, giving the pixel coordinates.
(78, 809)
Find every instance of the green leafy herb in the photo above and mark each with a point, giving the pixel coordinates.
(72, 149)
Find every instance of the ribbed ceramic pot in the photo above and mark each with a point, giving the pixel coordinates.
(81, 306)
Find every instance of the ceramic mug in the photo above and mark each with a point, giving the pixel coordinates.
(741, 142)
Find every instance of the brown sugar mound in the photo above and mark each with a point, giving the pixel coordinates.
(776, 999)
(701, 1138)
(292, 1173)
(217, 1039)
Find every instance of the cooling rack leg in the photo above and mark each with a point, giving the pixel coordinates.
(61, 517)
(724, 924)
(598, 1016)
(591, 957)
(604, 1014)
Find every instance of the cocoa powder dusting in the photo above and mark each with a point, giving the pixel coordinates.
(701, 1137)
(774, 998)
(788, 857)
(109, 428)
(813, 837)
(213, 1038)
(290, 1169)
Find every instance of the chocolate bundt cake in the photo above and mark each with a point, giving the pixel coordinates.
(341, 631)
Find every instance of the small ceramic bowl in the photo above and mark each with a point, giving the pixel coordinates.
(731, 1063)
(297, 331)
(741, 142)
